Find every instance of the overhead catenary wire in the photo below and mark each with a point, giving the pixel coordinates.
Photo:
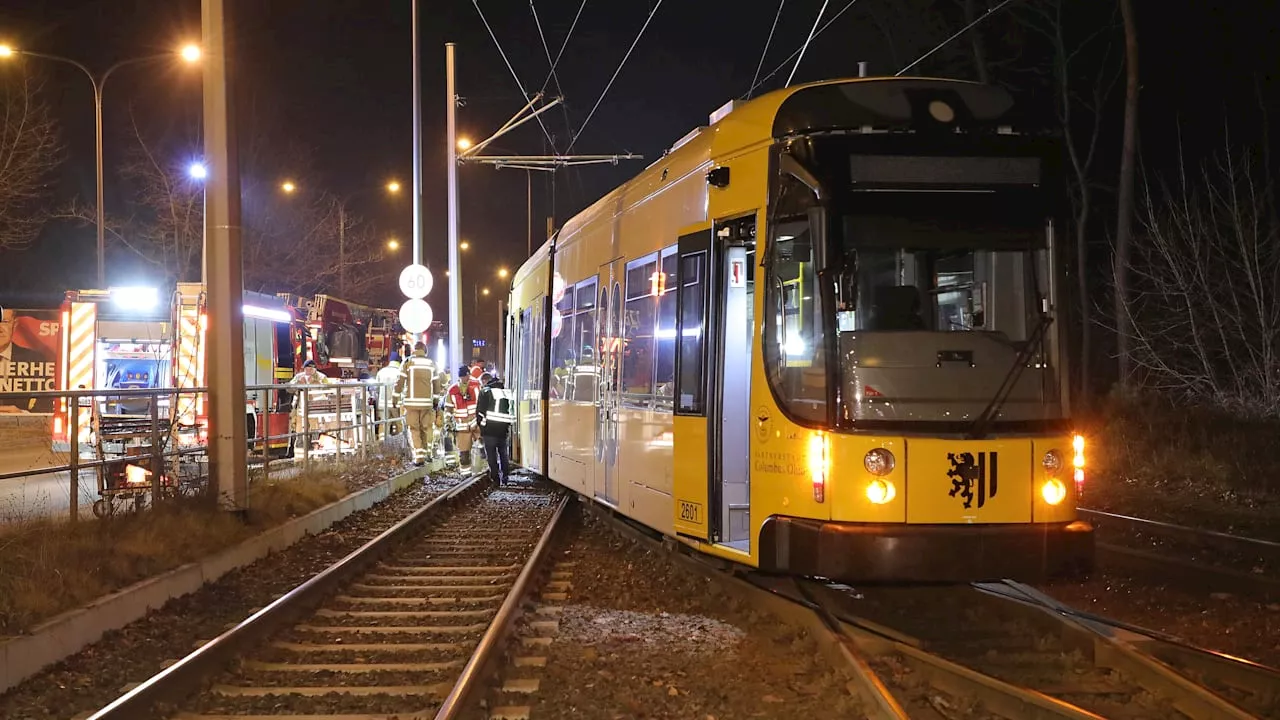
(792, 56)
(807, 40)
(961, 31)
(768, 41)
(514, 74)
(553, 62)
(600, 99)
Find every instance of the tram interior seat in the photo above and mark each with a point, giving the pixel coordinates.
(897, 307)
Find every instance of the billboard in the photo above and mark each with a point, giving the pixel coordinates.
(28, 358)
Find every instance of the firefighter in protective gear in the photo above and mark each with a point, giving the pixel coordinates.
(419, 390)
(461, 401)
(496, 413)
(310, 375)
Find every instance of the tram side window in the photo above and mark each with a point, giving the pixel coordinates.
(562, 344)
(793, 339)
(526, 346)
(665, 332)
(693, 312)
(639, 316)
(581, 378)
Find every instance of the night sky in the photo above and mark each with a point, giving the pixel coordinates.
(333, 77)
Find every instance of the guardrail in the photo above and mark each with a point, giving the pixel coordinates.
(121, 437)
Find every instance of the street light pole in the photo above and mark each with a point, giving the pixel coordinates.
(342, 249)
(417, 143)
(455, 288)
(99, 83)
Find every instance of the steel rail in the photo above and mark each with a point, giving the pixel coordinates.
(1183, 529)
(461, 698)
(184, 677)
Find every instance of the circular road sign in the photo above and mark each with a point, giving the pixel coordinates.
(415, 282)
(415, 315)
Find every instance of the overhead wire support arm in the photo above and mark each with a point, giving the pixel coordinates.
(516, 121)
(543, 162)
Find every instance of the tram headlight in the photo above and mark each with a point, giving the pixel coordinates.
(1053, 491)
(880, 491)
(878, 462)
(1052, 462)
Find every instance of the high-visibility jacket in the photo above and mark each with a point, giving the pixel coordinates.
(462, 399)
(419, 384)
(496, 409)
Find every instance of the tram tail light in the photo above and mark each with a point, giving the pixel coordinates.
(1077, 462)
(819, 464)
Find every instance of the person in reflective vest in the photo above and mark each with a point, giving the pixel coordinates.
(461, 400)
(310, 375)
(419, 387)
(496, 413)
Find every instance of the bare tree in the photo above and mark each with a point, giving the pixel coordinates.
(1124, 219)
(1205, 302)
(29, 152)
(1086, 69)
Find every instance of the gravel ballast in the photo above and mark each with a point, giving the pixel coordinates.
(641, 637)
(97, 675)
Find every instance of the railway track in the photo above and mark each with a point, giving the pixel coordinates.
(1004, 650)
(1191, 558)
(405, 627)
(999, 650)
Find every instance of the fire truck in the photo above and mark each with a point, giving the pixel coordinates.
(344, 338)
(128, 338)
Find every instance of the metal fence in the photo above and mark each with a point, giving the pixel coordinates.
(134, 446)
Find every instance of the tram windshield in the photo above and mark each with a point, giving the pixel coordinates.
(908, 307)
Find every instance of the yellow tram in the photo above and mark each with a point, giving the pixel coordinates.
(821, 335)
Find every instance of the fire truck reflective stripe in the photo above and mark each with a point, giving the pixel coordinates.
(80, 360)
(189, 367)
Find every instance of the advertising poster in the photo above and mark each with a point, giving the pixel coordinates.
(28, 359)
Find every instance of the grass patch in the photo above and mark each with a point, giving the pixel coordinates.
(1195, 466)
(50, 566)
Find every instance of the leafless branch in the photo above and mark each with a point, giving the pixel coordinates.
(29, 152)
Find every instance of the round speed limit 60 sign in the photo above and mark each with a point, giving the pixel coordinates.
(415, 282)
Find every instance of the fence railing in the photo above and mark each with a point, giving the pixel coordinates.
(142, 444)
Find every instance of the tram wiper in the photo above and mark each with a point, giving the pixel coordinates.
(978, 428)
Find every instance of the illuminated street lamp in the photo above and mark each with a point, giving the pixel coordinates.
(464, 245)
(288, 187)
(393, 187)
(503, 273)
(189, 53)
(464, 144)
(393, 244)
(198, 171)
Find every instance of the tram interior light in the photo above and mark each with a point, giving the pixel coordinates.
(138, 299)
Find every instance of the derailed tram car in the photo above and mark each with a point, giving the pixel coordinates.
(821, 336)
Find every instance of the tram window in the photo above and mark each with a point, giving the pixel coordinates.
(665, 332)
(644, 281)
(793, 337)
(578, 372)
(562, 341)
(693, 312)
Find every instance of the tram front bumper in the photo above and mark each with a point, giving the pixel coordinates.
(883, 552)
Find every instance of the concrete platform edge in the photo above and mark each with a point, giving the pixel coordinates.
(68, 633)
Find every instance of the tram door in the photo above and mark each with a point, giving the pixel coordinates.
(729, 419)
(609, 318)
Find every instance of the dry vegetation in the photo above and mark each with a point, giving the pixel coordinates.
(50, 566)
(1191, 465)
